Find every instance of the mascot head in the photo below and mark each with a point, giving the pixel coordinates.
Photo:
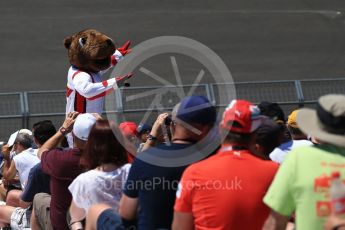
(89, 50)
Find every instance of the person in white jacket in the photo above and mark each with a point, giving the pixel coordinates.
(86, 90)
(91, 54)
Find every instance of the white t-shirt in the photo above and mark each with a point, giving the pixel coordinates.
(96, 186)
(278, 154)
(24, 161)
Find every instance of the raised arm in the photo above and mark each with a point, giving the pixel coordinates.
(10, 173)
(85, 87)
(54, 141)
(118, 55)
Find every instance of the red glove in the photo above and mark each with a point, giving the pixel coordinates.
(120, 53)
(125, 48)
(121, 81)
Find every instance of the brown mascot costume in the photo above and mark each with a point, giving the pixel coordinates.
(91, 54)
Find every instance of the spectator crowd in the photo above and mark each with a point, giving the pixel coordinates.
(248, 168)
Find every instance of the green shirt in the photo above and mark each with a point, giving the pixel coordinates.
(303, 182)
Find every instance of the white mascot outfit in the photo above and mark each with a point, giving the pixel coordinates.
(91, 54)
(86, 90)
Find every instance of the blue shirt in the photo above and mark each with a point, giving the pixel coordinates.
(37, 182)
(155, 187)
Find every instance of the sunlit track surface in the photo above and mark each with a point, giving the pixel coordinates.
(258, 40)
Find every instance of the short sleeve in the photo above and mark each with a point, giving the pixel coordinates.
(125, 172)
(17, 162)
(47, 162)
(31, 187)
(183, 202)
(131, 188)
(79, 189)
(280, 194)
(53, 163)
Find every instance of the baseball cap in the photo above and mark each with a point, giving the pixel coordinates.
(142, 127)
(292, 119)
(273, 111)
(14, 135)
(128, 128)
(241, 116)
(82, 125)
(195, 109)
(268, 134)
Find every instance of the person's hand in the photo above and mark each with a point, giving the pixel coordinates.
(97, 116)
(125, 48)
(6, 150)
(157, 128)
(69, 121)
(121, 81)
(334, 221)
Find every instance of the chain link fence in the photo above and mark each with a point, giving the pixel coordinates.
(23, 109)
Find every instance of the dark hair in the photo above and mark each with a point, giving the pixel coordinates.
(43, 131)
(64, 143)
(103, 146)
(273, 111)
(269, 136)
(238, 138)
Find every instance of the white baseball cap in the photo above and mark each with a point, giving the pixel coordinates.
(14, 135)
(82, 126)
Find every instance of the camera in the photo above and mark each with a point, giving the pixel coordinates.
(168, 120)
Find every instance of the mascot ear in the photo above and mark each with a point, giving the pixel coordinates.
(67, 42)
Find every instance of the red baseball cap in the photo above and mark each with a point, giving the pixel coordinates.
(241, 117)
(128, 128)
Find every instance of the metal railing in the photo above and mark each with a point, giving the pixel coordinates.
(23, 109)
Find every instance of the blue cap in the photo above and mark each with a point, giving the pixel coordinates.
(196, 109)
(143, 127)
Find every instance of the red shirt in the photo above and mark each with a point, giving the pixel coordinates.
(62, 165)
(226, 190)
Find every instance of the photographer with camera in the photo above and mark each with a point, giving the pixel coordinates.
(159, 134)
